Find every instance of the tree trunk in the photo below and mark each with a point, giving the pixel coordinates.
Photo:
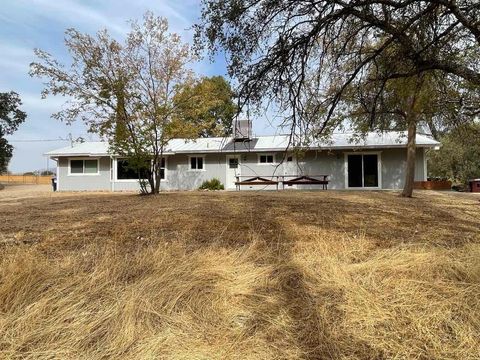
(151, 181)
(158, 173)
(411, 157)
(158, 178)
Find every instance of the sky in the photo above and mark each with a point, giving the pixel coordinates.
(29, 24)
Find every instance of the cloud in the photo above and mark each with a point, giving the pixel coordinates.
(34, 102)
(66, 9)
(167, 9)
(15, 58)
(41, 24)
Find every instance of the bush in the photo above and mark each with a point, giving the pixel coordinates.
(213, 184)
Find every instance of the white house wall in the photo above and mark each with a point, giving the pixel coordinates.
(394, 162)
(180, 177)
(100, 182)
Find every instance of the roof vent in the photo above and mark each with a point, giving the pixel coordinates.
(242, 130)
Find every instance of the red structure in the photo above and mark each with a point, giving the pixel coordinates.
(475, 185)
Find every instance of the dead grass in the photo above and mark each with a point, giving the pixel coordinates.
(285, 275)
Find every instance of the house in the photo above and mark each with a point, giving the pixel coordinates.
(376, 162)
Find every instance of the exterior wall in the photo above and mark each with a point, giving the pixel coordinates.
(100, 182)
(250, 167)
(180, 177)
(394, 162)
(331, 163)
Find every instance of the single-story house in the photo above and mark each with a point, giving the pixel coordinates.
(375, 162)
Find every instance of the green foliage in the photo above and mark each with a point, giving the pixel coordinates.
(205, 108)
(459, 156)
(212, 184)
(10, 119)
(47, 173)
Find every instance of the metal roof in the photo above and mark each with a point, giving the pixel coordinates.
(373, 140)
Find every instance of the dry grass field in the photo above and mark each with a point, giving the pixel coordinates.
(251, 275)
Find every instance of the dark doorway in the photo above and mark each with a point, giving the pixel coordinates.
(370, 170)
(363, 170)
(355, 171)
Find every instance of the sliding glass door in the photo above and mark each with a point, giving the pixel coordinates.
(363, 171)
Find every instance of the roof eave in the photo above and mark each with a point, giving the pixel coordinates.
(399, 146)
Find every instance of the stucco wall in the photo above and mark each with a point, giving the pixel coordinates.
(100, 182)
(180, 177)
(332, 163)
(394, 162)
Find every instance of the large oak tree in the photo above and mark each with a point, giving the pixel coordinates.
(306, 55)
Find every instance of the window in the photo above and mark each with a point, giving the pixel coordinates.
(81, 167)
(126, 172)
(196, 163)
(265, 159)
(162, 169)
(290, 158)
(233, 163)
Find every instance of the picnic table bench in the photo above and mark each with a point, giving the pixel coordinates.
(308, 180)
(256, 180)
(277, 179)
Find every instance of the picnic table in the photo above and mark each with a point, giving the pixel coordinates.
(288, 180)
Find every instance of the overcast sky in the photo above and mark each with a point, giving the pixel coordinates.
(29, 24)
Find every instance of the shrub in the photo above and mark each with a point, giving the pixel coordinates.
(213, 184)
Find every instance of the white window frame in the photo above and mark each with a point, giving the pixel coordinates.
(190, 163)
(83, 159)
(267, 163)
(115, 171)
(379, 170)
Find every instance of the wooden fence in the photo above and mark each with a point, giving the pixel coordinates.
(26, 179)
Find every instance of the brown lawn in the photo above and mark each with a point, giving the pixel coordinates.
(250, 275)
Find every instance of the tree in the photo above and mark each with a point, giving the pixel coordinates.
(124, 92)
(305, 55)
(206, 107)
(10, 119)
(401, 104)
(459, 156)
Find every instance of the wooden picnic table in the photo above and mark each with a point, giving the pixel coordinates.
(277, 179)
(308, 180)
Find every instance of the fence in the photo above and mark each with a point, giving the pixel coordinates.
(26, 179)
